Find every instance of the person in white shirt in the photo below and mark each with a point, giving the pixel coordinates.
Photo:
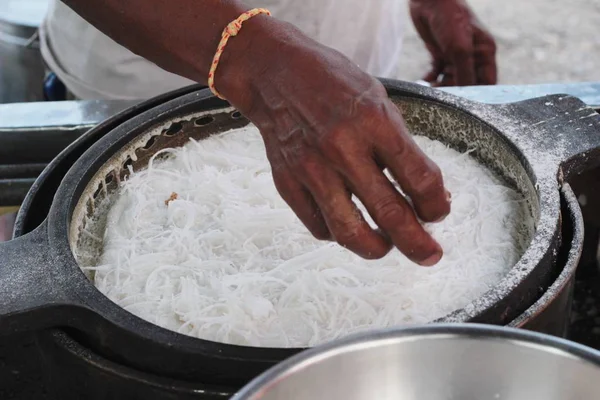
(329, 127)
(369, 32)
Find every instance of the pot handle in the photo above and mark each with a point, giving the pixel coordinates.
(32, 295)
(559, 126)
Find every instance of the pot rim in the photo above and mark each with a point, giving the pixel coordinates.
(71, 344)
(431, 331)
(570, 268)
(78, 176)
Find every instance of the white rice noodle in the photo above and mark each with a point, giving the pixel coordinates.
(228, 261)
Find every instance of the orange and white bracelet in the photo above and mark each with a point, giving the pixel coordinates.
(232, 29)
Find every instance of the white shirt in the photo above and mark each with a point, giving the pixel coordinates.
(93, 66)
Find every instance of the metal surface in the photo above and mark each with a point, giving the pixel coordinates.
(75, 370)
(52, 290)
(22, 69)
(69, 369)
(55, 116)
(37, 132)
(75, 116)
(12, 190)
(12, 171)
(16, 180)
(551, 313)
(171, 358)
(32, 134)
(467, 362)
(79, 360)
(588, 92)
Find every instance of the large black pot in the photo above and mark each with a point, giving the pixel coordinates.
(75, 370)
(534, 145)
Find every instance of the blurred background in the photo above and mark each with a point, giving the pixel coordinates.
(539, 41)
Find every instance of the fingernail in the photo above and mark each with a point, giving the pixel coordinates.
(437, 221)
(434, 259)
(448, 196)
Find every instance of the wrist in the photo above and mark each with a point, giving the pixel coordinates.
(246, 59)
(236, 68)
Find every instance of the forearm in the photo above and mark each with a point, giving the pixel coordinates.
(180, 36)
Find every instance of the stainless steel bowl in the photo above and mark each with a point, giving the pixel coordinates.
(436, 362)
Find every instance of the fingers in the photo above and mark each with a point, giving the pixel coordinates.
(485, 58)
(487, 73)
(426, 34)
(392, 213)
(459, 72)
(294, 193)
(345, 222)
(418, 176)
(316, 192)
(302, 203)
(462, 59)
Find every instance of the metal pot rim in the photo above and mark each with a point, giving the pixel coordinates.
(178, 344)
(397, 335)
(64, 202)
(575, 248)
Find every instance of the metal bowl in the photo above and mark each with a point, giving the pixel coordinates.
(444, 362)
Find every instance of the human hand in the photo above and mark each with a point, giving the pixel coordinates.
(329, 129)
(463, 52)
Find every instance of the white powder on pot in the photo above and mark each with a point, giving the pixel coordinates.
(201, 243)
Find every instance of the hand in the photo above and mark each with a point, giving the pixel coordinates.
(329, 129)
(463, 52)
